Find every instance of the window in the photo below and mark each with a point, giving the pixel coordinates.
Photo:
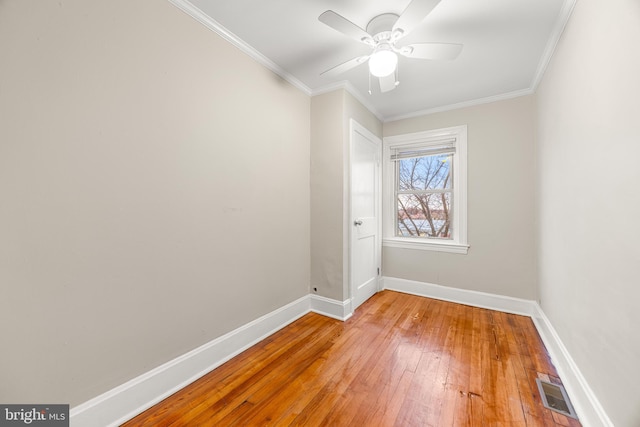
(425, 190)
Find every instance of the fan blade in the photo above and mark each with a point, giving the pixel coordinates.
(345, 66)
(388, 83)
(346, 27)
(431, 50)
(412, 16)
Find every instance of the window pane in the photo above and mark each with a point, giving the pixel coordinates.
(424, 215)
(425, 173)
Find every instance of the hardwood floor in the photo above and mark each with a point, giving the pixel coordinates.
(401, 360)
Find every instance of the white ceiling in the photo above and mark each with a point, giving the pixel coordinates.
(507, 44)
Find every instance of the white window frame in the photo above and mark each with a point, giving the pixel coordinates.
(458, 243)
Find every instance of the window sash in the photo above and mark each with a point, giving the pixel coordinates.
(425, 151)
(452, 141)
(421, 192)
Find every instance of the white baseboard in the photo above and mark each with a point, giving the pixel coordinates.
(461, 296)
(584, 401)
(128, 400)
(340, 310)
(587, 406)
(135, 396)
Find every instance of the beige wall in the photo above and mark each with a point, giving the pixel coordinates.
(501, 208)
(154, 193)
(330, 116)
(353, 109)
(159, 188)
(327, 151)
(588, 109)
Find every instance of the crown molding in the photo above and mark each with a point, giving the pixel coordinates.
(552, 43)
(215, 26)
(212, 24)
(471, 103)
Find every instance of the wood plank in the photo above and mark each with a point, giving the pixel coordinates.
(401, 360)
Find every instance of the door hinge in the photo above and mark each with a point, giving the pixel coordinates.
(378, 271)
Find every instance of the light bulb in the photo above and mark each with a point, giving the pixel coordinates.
(383, 62)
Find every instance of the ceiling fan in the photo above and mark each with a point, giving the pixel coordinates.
(383, 33)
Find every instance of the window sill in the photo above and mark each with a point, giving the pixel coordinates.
(438, 246)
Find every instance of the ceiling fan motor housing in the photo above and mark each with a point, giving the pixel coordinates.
(381, 27)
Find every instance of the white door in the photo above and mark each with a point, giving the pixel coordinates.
(365, 225)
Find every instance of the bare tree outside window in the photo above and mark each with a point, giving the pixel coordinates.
(424, 196)
(425, 190)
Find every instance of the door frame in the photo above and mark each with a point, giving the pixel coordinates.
(354, 127)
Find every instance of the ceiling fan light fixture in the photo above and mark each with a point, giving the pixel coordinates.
(383, 62)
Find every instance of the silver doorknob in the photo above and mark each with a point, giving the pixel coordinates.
(357, 222)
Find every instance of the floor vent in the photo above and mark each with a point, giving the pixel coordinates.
(555, 397)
